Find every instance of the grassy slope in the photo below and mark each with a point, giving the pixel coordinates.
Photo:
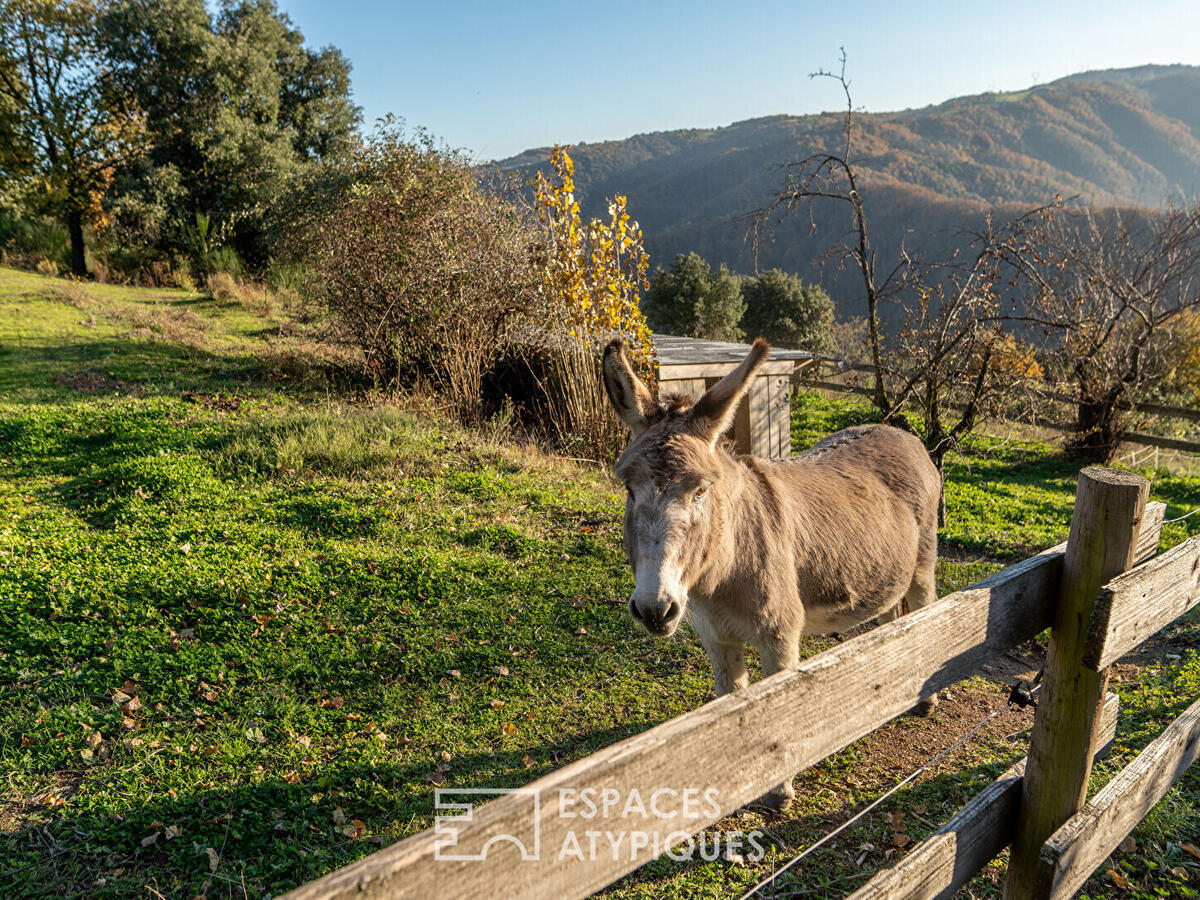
(321, 609)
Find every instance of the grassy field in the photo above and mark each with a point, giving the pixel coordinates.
(247, 626)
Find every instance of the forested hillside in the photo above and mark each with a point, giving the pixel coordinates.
(1126, 136)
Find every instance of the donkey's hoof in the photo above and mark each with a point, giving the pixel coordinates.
(779, 799)
(926, 706)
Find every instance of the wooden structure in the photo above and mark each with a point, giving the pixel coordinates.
(763, 425)
(523, 842)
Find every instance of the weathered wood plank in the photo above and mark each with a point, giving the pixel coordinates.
(669, 372)
(1076, 849)
(1135, 605)
(1166, 443)
(954, 854)
(774, 728)
(1105, 530)
(834, 386)
(1152, 526)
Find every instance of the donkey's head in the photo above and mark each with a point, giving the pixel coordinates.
(673, 475)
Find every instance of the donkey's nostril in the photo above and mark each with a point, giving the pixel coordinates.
(634, 611)
(672, 612)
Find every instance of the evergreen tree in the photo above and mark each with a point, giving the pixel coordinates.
(788, 312)
(692, 300)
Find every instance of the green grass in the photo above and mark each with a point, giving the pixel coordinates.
(246, 627)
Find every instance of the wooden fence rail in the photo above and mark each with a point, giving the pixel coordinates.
(810, 378)
(692, 771)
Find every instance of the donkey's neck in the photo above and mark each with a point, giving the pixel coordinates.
(747, 520)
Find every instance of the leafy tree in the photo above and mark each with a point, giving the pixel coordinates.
(67, 125)
(692, 300)
(236, 107)
(788, 312)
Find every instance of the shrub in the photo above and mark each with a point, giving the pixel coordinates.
(592, 277)
(222, 287)
(417, 264)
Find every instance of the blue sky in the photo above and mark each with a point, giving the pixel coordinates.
(498, 78)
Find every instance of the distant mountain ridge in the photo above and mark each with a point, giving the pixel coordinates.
(1115, 137)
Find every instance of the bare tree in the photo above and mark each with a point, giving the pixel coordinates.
(934, 326)
(1111, 288)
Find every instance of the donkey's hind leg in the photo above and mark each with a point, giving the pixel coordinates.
(921, 592)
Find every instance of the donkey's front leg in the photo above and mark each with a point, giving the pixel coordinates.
(728, 660)
(777, 653)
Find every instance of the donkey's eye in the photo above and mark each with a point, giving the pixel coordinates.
(700, 492)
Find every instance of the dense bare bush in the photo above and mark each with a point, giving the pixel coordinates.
(1114, 291)
(421, 268)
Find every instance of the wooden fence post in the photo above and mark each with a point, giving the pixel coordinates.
(1107, 520)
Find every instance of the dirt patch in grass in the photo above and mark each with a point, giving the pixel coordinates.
(90, 382)
(222, 402)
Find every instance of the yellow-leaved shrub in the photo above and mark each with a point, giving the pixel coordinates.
(593, 278)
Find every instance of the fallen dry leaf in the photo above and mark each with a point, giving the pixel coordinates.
(332, 703)
(151, 839)
(339, 816)
(510, 729)
(214, 859)
(436, 778)
(172, 831)
(527, 760)
(496, 704)
(1118, 879)
(500, 670)
(1190, 848)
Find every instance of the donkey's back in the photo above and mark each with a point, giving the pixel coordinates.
(871, 493)
(895, 458)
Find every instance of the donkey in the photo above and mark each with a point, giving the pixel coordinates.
(764, 552)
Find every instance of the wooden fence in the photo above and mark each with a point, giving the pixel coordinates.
(823, 373)
(694, 770)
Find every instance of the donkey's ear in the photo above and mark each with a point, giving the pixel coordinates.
(714, 412)
(630, 397)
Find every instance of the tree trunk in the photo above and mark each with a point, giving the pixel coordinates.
(939, 460)
(75, 230)
(1098, 429)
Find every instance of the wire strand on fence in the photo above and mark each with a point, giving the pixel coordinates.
(1181, 518)
(878, 800)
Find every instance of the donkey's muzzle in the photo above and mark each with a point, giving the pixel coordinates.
(658, 619)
